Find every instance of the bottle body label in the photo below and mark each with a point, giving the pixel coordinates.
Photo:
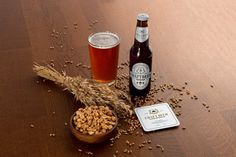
(140, 75)
(141, 34)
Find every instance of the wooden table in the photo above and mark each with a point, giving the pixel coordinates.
(192, 41)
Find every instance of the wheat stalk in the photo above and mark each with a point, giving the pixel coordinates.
(88, 91)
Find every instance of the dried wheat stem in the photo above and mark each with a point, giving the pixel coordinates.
(87, 91)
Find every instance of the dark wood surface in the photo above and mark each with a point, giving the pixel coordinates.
(193, 41)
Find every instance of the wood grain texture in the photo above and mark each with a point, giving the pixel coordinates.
(193, 41)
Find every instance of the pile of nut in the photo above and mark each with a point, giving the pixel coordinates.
(94, 120)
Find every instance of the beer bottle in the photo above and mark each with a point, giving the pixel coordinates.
(140, 59)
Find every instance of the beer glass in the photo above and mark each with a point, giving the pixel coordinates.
(104, 54)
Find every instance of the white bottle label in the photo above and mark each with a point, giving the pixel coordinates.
(141, 34)
(140, 75)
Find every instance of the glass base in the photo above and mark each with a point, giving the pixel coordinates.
(107, 83)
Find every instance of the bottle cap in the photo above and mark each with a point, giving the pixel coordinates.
(142, 17)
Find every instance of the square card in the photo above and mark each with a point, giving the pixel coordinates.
(156, 117)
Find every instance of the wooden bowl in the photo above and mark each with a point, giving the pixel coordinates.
(92, 138)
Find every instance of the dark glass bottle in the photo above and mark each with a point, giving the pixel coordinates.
(140, 59)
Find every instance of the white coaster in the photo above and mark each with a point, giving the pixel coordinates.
(156, 117)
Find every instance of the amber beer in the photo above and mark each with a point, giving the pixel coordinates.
(104, 53)
(140, 59)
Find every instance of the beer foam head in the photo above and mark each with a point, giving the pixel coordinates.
(103, 40)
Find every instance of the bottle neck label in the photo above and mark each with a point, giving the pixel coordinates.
(140, 75)
(141, 34)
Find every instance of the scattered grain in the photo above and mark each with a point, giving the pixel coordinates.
(161, 147)
(79, 64)
(51, 47)
(89, 153)
(68, 62)
(52, 135)
(188, 92)
(52, 64)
